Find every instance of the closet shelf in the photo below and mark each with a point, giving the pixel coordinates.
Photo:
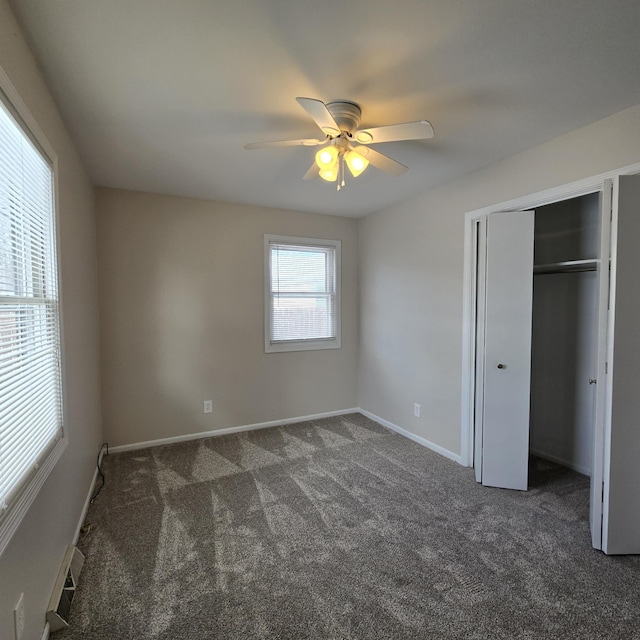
(567, 267)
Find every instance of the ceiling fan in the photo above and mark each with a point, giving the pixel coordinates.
(344, 144)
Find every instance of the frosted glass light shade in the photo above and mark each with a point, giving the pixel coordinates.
(330, 174)
(356, 163)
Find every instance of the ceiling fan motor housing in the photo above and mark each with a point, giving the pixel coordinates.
(346, 114)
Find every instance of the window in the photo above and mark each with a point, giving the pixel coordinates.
(30, 378)
(302, 297)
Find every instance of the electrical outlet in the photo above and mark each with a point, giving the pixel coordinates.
(18, 616)
(208, 406)
(416, 410)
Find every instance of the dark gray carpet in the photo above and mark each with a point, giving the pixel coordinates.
(341, 529)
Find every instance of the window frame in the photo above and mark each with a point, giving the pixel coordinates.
(311, 344)
(13, 515)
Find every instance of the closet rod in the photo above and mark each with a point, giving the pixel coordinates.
(570, 266)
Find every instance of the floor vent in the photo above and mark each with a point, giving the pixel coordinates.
(59, 608)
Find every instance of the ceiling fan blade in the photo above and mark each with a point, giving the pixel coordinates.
(392, 133)
(313, 173)
(379, 160)
(311, 142)
(320, 114)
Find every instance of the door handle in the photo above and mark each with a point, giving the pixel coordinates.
(502, 366)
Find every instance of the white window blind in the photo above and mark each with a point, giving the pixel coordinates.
(302, 292)
(30, 381)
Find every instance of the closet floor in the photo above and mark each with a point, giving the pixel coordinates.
(564, 489)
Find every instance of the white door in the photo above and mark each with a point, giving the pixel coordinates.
(621, 507)
(506, 377)
(600, 403)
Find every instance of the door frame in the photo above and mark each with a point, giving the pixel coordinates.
(568, 191)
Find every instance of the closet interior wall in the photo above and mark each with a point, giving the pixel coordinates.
(564, 332)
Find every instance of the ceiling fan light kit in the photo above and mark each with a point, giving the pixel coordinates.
(339, 121)
(331, 159)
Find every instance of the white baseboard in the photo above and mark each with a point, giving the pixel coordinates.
(228, 430)
(275, 423)
(45, 632)
(412, 436)
(87, 502)
(586, 471)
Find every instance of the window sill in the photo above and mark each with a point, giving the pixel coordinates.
(10, 521)
(302, 345)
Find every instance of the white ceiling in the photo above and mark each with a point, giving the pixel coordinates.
(161, 95)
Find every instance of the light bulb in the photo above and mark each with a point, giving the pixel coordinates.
(356, 163)
(327, 157)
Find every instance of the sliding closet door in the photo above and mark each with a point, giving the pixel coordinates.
(507, 349)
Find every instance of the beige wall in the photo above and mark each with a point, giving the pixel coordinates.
(411, 274)
(181, 308)
(30, 563)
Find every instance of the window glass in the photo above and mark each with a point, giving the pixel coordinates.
(30, 379)
(302, 293)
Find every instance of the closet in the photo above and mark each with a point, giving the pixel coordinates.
(551, 345)
(564, 332)
(541, 296)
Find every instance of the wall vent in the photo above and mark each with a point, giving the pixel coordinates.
(59, 609)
